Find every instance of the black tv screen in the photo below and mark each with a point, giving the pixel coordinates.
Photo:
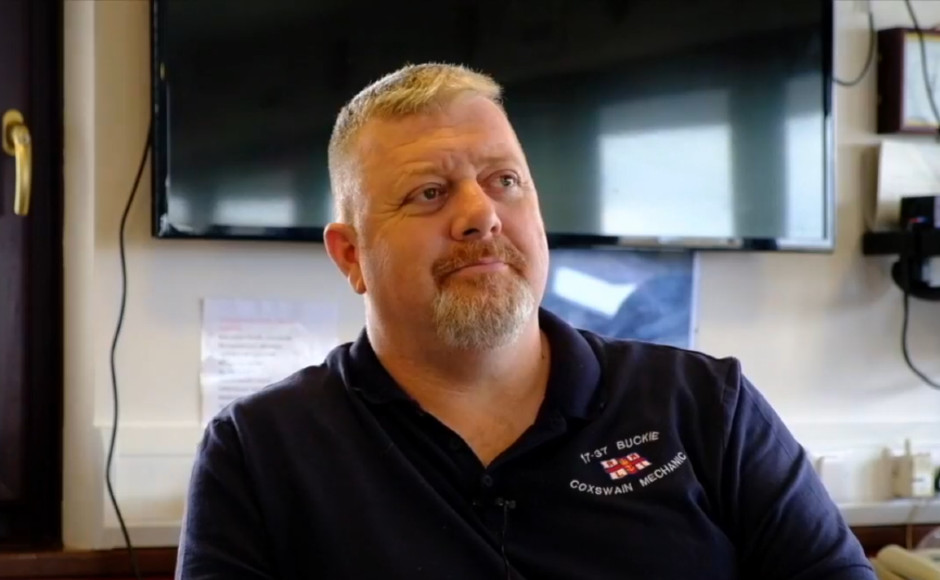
(693, 123)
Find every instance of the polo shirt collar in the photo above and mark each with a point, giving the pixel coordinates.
(573, 383)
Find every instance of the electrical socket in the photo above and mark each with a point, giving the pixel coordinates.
(912, 474)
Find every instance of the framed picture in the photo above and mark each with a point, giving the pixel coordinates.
(907, 103)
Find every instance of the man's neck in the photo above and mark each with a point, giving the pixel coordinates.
(488, 397)
(422, 364)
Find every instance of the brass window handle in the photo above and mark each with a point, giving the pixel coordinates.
(17, 143)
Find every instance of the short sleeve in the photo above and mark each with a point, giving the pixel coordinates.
(781, 517)
(223, 533)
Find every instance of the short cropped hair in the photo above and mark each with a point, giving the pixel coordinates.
(410, 90)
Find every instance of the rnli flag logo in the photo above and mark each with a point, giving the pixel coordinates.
(624, 466)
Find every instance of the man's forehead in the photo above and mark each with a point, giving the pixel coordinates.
(439, 149)
(460, 118)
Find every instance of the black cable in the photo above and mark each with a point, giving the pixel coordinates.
(872, 36)
(117, 333)
(906, 265)
(904, 351)
(923, 63)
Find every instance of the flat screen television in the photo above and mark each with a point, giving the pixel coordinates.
(687, 123)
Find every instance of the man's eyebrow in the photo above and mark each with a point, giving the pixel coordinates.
(496, 158)
(422, 168)
(415, 170)
(411, 171)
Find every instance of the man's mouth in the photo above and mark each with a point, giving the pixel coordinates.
(481, 266)
(479, 258)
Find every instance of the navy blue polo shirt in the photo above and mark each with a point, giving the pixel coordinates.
(644, 461)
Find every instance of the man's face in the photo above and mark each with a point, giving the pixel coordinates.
(450, 233)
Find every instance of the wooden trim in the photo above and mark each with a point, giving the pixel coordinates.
(14, 54)
(161, 562)
(873, 538)
(31, 372)
(87, 564)
(44, 371)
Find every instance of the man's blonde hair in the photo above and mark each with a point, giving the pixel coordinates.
(410, 90)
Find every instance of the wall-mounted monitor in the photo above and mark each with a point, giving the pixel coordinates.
(698, 124)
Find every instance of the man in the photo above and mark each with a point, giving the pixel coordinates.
(467, 434)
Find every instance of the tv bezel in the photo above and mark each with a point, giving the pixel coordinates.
(160, 228)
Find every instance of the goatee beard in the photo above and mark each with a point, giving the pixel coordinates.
(484, 312)
(487, 310)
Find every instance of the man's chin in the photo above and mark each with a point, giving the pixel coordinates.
(483, 317)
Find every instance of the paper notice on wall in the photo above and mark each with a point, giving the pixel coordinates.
(249, 344)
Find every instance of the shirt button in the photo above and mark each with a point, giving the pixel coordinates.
(487, 481)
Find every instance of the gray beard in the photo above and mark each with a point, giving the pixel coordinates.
(484, 312)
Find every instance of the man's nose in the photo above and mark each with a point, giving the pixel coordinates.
(476, 216)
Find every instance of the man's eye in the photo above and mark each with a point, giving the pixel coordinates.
(508, 180)
(432, 193)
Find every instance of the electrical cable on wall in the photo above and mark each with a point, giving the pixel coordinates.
(117, 333)
(869, 59)
(904, 351)
(905, 321)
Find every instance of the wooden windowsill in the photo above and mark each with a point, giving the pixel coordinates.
(154, 562)
(161, 562)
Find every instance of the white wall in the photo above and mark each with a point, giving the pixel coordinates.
(820, 335)
(817, 333)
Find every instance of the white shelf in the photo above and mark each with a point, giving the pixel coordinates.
(893, 512)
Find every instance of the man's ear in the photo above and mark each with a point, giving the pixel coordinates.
(343, 247)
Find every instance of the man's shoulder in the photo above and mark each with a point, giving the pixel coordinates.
(618, 354)
(304, 395)
(665, 374)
